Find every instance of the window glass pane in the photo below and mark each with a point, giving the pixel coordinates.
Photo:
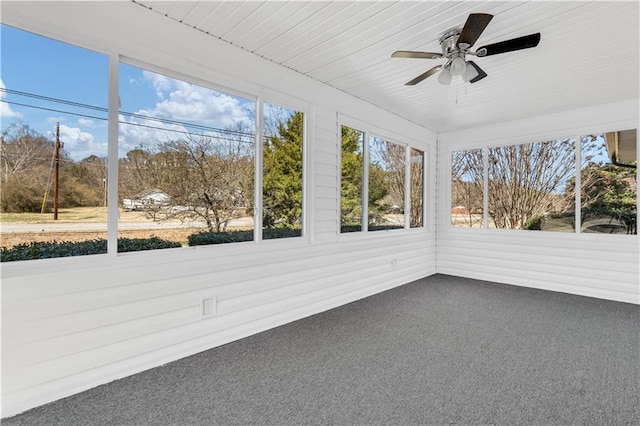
(467, 188)
(351, 180)
(530, 186)
(608, 189)
(53, 157)
(186, 163)
(282, 176)
(386, 185)
(417, 189)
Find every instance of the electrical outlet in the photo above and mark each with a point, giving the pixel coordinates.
(208, 306)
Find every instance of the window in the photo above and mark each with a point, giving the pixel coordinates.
(467, 185)
(417, 189)
(53, 155)
(386, 185)
(282, 174)
(535, 186)
(187, 168)
(528, 186)
(187, 159)
(352, 161)
(382, 183)
(608, 183)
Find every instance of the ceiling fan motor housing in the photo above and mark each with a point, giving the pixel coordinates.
(448, 42)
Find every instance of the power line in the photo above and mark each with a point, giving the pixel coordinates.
(53, 110)
(56, 100)
(103, 109)
(241, 134)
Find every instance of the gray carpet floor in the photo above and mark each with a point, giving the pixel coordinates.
(441, 350)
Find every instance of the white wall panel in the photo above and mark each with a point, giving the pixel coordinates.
(72, 324)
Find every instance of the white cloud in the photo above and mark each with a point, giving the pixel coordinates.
(5, 108)
(79, 144)
(86, 122)
(59, 119)
(145, 133)
(182, 101)
(160, 82)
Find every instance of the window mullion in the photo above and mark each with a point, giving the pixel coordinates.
(112, 157)
(578, 185)
(365, 182)
(407, 187)
(257, 183)
(485, 188)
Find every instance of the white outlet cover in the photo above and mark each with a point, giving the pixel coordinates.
(208, 306)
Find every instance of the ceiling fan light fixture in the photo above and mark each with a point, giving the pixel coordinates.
(445, 76)
(458, 66)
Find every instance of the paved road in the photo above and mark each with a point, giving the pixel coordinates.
(50, 227)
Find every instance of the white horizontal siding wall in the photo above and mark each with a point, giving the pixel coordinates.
(596, 265)
(74, 323)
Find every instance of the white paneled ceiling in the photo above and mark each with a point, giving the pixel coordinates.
(588, 55)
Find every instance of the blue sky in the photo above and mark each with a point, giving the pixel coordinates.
(39, 66)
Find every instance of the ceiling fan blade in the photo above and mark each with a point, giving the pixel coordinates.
(519, 43)
(475, 25)
(410, 54)
(422, 76)
(481, 73)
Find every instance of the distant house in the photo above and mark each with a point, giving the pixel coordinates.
(459, 210)
(146, 199)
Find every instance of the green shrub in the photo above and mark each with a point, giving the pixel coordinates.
(358, 228)
(534, 223)
(206, 238)
(139, 244)
(384, 227)
(53, 249)
(350, 228)
(274, 233)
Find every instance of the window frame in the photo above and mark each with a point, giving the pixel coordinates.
(288, 102)
(255, 93)
(575, 134)
(369, 130)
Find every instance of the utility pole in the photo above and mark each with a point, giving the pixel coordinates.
(57, 172)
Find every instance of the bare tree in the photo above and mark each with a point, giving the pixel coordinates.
(207, 176)
(22, 148)
(467, 185)
(417, 188)
(387, 175)
(524, 181)
(25, 162)
(529, 180)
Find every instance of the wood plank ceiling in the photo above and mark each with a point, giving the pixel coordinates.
(589, 52)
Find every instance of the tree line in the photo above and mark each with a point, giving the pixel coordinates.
(26, 164)
(210, 178)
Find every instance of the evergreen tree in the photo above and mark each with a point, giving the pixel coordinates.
(282, 175)
(351, 183)
(609, 192)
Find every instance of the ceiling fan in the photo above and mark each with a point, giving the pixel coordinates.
(455, 46)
